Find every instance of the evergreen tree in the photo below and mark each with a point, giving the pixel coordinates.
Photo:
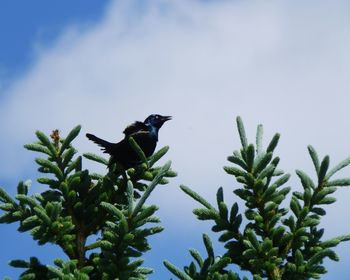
(272, 242)
(109, 209)
(267, 239)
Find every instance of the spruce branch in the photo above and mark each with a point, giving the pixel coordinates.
(210, 268)
(151, 187)
(274, 242)
(78, 204)
(70, 137)
(44, 140)
(96, 158)
(338, 167)
(259, 136)
(197, 197)
(138, 150)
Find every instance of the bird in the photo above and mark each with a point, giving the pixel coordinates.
(145, 135)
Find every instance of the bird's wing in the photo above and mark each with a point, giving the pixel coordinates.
(146, 142)
(134, 128)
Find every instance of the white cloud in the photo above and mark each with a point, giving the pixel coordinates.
(284, 64)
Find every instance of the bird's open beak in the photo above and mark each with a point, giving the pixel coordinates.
(166, 118)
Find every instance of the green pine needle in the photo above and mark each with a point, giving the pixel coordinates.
(165, 168)
(273, 143)
(111, 209)
(130, 196)
(250, 157)
(177, 272)
(220, 264)
(197, 197)
(27, 200)
(338, 167)
(56, 272)
(4, 197)
(339, 183)
(323, 169)
(138, 150)
(318, 257)
(41, 213)
(306, 181)
(70, 137)
(195, 254)
(343, 238)
(241, 131)
(259, 136)
(314, 157)
(158, 155)
(96, 158)
(52, 167)
(261, 162)
(36, 147)
(46, 142)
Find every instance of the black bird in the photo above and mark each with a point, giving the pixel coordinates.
(144, 133)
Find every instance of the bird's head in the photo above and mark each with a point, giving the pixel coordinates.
(156, 120)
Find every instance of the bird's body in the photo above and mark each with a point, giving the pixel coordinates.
(145, 135)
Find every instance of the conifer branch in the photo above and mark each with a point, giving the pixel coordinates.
(271, 244)
(71, 136)
(197, 197)
(151, 187)
(259, 136)
(78, 204)
(241, 132)
(138, 150)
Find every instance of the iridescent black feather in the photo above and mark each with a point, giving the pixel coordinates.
(144, 133)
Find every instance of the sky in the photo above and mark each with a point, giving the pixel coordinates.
(105, 64)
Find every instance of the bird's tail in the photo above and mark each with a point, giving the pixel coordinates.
(107, 146)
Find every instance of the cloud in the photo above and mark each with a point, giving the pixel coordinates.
(284, 64)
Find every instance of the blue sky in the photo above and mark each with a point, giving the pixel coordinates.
(283, 64)
(26, 25)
